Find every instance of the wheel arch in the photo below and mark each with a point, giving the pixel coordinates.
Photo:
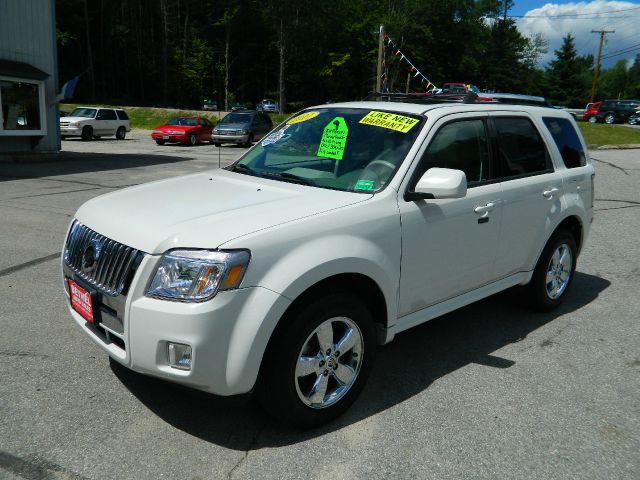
(362, 286)
(573, 224)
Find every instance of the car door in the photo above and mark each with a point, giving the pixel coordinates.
(205, 130)
(106, 122)
(449, 245)
(530, 190)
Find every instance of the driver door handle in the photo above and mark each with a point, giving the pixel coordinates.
(550, 193)
(484, 209)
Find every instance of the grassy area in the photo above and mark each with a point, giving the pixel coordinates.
(148, 118)
(601, 134)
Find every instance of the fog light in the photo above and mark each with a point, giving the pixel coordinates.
(180, 356)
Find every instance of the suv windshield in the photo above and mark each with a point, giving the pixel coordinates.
(346, 149)
(84, 112)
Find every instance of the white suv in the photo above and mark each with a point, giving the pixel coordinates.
(95, 122)
(346, 225)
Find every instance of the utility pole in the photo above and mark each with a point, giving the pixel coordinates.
(379, 66)
(597, 69)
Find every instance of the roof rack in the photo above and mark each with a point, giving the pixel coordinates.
(427, 98)
(469, 98)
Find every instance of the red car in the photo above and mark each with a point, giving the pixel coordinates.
(187, 130)
(590, 112)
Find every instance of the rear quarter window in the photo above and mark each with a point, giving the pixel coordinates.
(122, 115)
(567, 140)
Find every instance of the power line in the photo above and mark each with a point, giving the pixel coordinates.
(621, 53)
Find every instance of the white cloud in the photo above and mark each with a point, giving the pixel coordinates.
(592, 16)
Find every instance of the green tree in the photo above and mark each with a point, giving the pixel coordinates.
(633, 79)
(568, 75)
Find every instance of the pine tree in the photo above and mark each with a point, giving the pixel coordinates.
(568, 76)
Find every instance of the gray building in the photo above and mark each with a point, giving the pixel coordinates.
(28, 77)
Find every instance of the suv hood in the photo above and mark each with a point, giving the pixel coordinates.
(233, 126)
(204, 210)
(76, 119)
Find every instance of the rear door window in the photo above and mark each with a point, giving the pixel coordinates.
(106, 114)
(521, 150)
(566, 138)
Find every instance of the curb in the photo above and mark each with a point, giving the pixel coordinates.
(622, 146)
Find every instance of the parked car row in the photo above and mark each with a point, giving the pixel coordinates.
(613, 111)
(240, 127)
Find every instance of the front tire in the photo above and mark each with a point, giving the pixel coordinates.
(318, 363)
(217, 144)
(193, 140)
(593, 119)
(87, 133)
(553, 276)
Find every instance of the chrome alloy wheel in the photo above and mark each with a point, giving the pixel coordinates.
(559, 271)
(327, 368)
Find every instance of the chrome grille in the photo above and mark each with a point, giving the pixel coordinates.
(64, 124)
(113, 262)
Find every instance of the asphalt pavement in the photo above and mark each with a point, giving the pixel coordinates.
(491, 391)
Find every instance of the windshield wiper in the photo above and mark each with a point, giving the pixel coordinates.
(289, 176)
(241, 167)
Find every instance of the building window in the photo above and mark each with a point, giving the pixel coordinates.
(23, 110)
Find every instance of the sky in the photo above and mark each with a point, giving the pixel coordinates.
(555, 20)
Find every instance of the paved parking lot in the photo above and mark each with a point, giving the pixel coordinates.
(491, 391)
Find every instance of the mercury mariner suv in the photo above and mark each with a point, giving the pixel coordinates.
(346, 225)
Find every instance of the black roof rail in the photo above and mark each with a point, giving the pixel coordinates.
(468, 98)
(416, 97)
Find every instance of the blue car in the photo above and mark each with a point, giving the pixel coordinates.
(268, 105)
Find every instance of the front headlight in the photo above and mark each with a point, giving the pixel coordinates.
(74, 124)
(244, 132)
(216, 131)
(197, 275)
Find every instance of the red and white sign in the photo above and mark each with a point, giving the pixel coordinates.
(81, 300)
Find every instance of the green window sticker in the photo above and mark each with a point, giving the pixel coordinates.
(364, 185)
(334, 139)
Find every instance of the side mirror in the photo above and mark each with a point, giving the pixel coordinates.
(439, 183)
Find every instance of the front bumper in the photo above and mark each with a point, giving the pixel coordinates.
(235, 138)
(170, 137)
(69, 131)
(228, 334)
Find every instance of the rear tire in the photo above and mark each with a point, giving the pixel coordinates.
(217, 144)
(609, 118)
(193, 140)
(553, 276)
(87, 133)
(121, 133)
(317, 363)
(160, 142)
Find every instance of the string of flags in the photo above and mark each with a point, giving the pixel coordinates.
(411, 67)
